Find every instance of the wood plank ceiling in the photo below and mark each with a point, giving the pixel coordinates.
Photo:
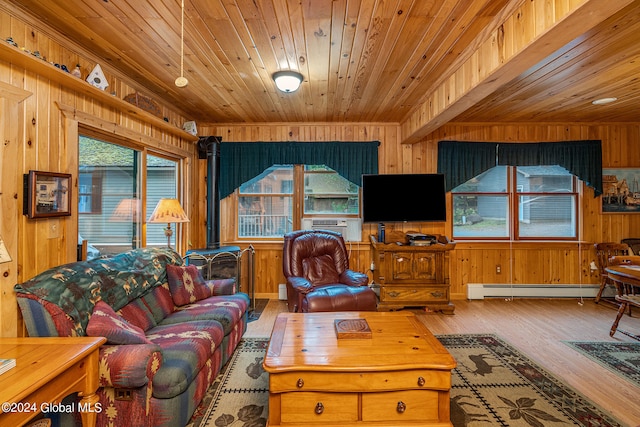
(362, 60)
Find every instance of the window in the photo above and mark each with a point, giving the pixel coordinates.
(269, 204)
(520, 203)
(110, 194)
(326, 192)
(90, 192)
(162, 182)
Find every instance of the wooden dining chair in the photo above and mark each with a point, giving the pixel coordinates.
(604, 251)
(628, 294)
(634, 245)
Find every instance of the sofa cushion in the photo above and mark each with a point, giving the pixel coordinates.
(159, 302)
(226, 309)
(104, 322)
(187, 284)
(320, 270)
(186, 349)
(137, 313)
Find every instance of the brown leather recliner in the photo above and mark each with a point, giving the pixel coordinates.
(316, 266)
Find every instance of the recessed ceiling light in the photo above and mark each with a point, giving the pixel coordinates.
(603, 101)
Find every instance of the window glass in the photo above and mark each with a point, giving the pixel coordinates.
(326, 192)
(542, 204)
(481, 206)
(265, 203)
(115, 228)
(90, 192)
(110, 194)
(162, 182)
(274, 202)
(546, 203)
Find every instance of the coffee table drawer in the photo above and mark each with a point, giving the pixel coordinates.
(321, 408)
(401, 406)
(360, 381)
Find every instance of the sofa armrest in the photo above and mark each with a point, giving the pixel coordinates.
(128, 366)
(354, 278)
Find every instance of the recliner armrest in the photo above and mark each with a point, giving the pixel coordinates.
(300, 284)
(354, 278)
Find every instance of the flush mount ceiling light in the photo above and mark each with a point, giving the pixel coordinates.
(182, 80)
(287, 81)
(603, 101)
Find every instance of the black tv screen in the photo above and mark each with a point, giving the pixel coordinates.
(403, 198)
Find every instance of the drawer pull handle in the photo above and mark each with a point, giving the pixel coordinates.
(421, 381)
(319, 408)
(300, 383)
(393, 294)
(401, 407)
(437, 294)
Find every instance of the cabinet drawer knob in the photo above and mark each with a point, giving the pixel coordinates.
(393, 294)
(421, 381)
(300, 383)
(401, 407)
(437, 294)
(319, 408)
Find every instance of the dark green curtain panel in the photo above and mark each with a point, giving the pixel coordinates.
(241, 161)
(461, 161)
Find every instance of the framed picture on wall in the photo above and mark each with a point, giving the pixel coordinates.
(621, 190)
(47, 194)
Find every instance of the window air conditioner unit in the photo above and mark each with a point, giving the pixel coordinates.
(350, 228)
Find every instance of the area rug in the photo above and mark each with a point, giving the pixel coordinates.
(494, 384)
(620, 358)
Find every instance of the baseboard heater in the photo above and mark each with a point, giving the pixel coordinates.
(483, 290)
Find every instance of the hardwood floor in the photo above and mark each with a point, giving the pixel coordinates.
(538, 329)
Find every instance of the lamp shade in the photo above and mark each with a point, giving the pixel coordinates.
(126, 211)
(168, 211)
(287, 81)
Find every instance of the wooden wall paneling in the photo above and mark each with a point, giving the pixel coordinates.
(467, 266)
(10, 207)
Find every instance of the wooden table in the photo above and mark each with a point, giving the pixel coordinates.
(627, 278)
(401, 375)
(47, 370)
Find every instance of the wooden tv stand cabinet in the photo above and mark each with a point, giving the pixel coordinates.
(413, 276)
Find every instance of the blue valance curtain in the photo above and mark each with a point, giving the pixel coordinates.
(241, 161)
(461, 161)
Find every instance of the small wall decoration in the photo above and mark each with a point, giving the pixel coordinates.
(145, 103)
(47, 194)
(190, 127)
(97, 78)
(621, 190)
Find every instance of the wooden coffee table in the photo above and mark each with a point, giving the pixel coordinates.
(397, 374)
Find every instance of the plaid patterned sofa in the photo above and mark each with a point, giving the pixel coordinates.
(168, 331)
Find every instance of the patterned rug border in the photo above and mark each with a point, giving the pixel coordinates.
(633, 376)
(545, 382)
(547, 385)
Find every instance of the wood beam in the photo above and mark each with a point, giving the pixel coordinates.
(536, 30)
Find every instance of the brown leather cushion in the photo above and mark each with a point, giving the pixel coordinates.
(320, 270)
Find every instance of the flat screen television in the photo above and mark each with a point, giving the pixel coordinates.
(403, 198)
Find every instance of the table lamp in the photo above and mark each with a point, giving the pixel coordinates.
(168, 210)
